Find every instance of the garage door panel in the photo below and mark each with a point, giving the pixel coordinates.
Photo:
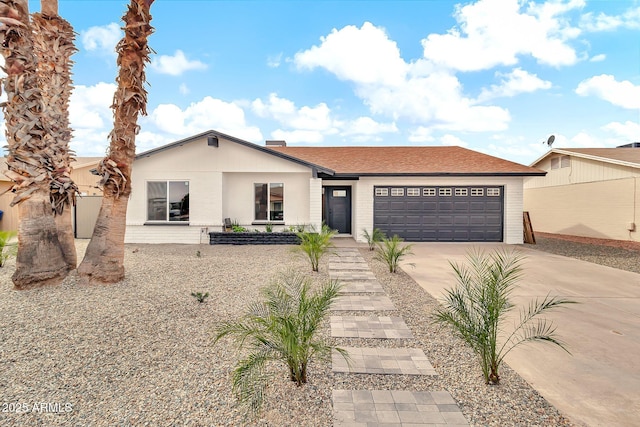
(431, 215)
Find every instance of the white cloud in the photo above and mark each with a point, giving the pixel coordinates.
(364, 55)
(184, 89)
(421, 134)
(102, 39)
(388, 85)
(176, 65)
(513, 83)
(209, 113)
(366, 126)
(316, 118)
(452, 140)
(598, 58)
(496, 32)
(626, 132)
(90, 106)
(274, 61)
(298, 136)
(602, 22)
(623, 94)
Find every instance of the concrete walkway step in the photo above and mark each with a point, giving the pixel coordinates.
(351, 275)
(361, 286)
(386, 361)
(367, 408)
(369, 327)
(363, 303)
(342, 266)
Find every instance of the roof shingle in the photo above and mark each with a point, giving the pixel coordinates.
(400, 160)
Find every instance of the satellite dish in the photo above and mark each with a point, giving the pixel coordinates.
(550, 140)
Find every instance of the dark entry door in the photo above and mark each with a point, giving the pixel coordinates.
(337, 208)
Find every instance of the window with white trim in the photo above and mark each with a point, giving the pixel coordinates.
(477, 192)
(493, 192)
(269, 201)
(444, 192)
(382, 192)
(395, 192)
(168, 201)
(460, 192)
(413, 192)
(429, 192)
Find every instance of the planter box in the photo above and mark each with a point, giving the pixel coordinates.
(252, 238)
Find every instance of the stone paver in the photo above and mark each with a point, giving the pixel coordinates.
(348, 266)
(369, 408)
(387, 361)
(362, 303)
(369, 327)
(346, 258)
(361, 286)
(351, 275)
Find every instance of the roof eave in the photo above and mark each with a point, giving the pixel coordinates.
(598, 158)
(314, 167)
(391, 174)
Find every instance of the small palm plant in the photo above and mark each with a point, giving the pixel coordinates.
(391, 252)
(316, 244)
(8, 248)
(478, 305)
(376, 236)
(283, 327)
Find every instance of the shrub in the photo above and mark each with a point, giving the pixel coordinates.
(391, 252)
(315, 244)
(8, 248)
(376, 236)
(268, 227)
(477, 306)
(283, 328)
(200, 296)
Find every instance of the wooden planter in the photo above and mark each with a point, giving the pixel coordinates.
(253, 238)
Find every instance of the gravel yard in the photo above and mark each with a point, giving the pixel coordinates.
(139, 352)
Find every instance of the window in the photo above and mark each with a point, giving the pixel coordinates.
(429, 192)
(493, 192)
(444, 192)
(168, 201)
(565, 161)
(382, 192)
(477, 191)
(555, 162)
(269, 201)
(413, 192)
(461, 192)
(397, 191)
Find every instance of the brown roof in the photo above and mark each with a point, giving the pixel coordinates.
(406, 161)
(630, 155)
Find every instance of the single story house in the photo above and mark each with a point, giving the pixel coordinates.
(589, 192)
(81, 175)
(184, 190)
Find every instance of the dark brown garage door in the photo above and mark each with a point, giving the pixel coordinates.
(440, 214)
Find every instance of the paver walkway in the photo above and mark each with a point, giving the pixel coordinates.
(369, 327)
(395, 407)
(369, 408)
(380, 360)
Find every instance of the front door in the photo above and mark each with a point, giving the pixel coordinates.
(337, 208)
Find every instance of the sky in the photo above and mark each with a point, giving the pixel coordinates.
(495, 76)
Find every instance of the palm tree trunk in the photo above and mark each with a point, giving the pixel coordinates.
(39, 260)
(104, 259)
(53, 44)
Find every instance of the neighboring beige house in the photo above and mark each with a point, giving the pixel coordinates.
(81, 175)
(590, 192)
(184, 190)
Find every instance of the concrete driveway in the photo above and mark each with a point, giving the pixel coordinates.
(599, 384)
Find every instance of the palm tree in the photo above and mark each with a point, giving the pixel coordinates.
(39, 260)
(477, 308)
(53, 44)
(104, 258)
(315, 244)
(283, 327)
(391, 252)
